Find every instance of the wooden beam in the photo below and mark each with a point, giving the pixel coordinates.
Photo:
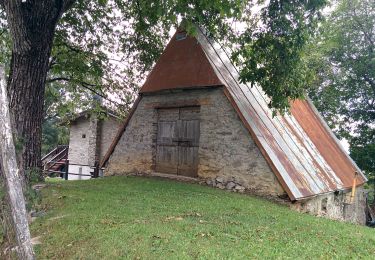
(12, 179)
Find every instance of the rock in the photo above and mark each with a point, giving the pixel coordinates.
(220, 179)
(220, 186)
(239, 188)
(36, 241)
(209, 182)
(230, 185)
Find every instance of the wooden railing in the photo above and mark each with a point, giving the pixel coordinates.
(57, 156)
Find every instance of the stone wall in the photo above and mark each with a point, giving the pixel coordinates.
(336, 206)
(79, 146)
(108, 130)
(93, 151)
(84, 151)
(226, 148)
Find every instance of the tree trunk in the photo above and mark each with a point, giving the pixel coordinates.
(32, 25)
(26, 91)
(10, 171)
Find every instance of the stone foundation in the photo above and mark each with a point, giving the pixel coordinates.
(336, 206)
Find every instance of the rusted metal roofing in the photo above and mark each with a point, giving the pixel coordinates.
(183, 64)
(325, 141)
(299, 147)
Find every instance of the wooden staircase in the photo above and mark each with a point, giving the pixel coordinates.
(56, 161)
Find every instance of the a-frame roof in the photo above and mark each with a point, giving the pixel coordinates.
(303, 152)
(183, 64)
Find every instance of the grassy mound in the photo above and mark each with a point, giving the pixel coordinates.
(145, 218)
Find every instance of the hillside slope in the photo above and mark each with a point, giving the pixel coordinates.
(146, 218)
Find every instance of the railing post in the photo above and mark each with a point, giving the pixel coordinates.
(96, 169)
(66, 174)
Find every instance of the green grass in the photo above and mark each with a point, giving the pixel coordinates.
(145, 218)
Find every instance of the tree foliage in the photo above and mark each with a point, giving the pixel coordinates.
(271, 54)
(107, 46)
(343, 59)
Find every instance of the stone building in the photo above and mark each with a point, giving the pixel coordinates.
(89, 139)
(194, 118)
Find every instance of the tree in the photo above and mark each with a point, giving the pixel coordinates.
(343, 60)
(271, 54)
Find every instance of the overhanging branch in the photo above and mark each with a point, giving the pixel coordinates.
(85, 85)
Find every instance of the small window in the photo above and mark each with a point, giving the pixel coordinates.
(83, 135)
(181, 36)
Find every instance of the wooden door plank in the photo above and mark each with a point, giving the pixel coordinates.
(167, 133)
(167, 159)
(166, 148)
(188, 161)
(189, 133)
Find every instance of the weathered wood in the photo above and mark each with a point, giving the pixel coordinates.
(178, 141)
(188, 134)
(166, 150)
(12, 177)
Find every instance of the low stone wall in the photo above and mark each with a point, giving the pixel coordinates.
(336, 206)
(226, 148)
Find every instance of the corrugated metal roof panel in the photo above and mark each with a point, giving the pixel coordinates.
(324, 140)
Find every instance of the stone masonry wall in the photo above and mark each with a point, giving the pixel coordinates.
(78, 146)
(108, 130)
(336, 206)
(92, 152)
(226, 148)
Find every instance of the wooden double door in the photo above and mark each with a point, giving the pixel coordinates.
(178, 141)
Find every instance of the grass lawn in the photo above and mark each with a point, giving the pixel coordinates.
(145, 218)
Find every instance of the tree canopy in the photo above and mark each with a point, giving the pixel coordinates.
(343, 60)
(107, 47)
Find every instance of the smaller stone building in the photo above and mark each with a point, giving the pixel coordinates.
(89, 140)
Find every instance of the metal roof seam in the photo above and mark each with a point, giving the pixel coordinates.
(291, 144)
(312, 146)
(292, 121)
